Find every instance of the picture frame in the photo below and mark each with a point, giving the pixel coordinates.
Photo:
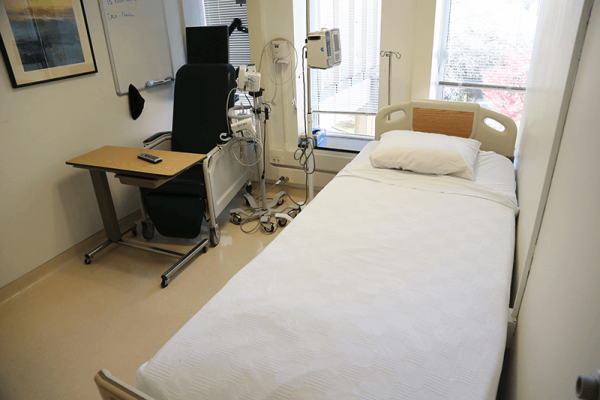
(43, 43)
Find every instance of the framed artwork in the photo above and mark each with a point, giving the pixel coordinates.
(45, 40)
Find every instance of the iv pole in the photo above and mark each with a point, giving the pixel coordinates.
(264, 211)
(389, 55)
(308, 134)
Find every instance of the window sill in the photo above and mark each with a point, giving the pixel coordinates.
(346, 145)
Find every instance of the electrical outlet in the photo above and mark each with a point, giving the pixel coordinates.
(279, 49)
(276, 156)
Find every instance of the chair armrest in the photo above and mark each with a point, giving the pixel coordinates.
(156, 139)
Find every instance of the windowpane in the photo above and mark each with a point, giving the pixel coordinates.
(223, 12)
(352, 86)
(509, 103)
(348, 124)
(488, 43)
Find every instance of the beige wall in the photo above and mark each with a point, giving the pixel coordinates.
(405, 26)
(558, 330)
(46, 206)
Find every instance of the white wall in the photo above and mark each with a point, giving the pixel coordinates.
(548, 92)
(426, 12)
(558, 330)
(398, 35)
(46, 206)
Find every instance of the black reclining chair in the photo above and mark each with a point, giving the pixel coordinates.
(177, 207)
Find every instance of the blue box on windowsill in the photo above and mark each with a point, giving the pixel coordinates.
(318, 137)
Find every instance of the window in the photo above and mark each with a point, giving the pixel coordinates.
(485, 52)
(345, 98)
(223, 12)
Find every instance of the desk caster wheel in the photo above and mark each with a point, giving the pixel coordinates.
(147, 229)
(88, 260)
(215, 236)
(268, 227)
(164, 283)
(282, 222)
(236, 219)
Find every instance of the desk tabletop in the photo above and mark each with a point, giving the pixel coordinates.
(124, 160)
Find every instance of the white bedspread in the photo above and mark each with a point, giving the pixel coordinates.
(376, 290)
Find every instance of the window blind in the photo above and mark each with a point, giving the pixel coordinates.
(223, 12)
(489, 43)
(353, 86)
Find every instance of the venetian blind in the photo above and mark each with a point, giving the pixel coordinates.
(223, 12)
(488, 43)
(353, 86)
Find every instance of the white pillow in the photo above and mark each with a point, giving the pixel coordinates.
(427, 153)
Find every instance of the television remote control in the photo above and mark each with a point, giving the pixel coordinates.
(149, 158)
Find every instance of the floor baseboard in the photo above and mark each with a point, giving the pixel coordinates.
(34, 276)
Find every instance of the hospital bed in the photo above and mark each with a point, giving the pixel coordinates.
(390, 284)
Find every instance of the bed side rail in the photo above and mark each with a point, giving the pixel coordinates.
(223, 177)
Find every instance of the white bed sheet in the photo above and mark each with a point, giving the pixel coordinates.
(376, 290)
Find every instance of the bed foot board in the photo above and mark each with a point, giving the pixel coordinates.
(112, 388)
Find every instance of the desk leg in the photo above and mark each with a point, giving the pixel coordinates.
(106, 205)
(108, 214)
(166, 277)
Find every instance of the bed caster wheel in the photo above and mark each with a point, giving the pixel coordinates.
(88, 260)
(215, 236)
(280, 201)
(205, 249)
(282, 222)
(164, 283)
(236, 219)
(249, 188)
(147, 229)
(268, 227)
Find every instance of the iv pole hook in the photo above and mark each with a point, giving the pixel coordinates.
(389, 54)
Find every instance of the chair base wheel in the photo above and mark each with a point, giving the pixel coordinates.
(214, 236)
(236, 219)
(268, 227)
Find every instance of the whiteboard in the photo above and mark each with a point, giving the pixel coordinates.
(138, 42)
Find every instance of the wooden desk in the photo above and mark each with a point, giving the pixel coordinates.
(130, 170)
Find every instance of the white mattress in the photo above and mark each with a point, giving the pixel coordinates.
(389, 284)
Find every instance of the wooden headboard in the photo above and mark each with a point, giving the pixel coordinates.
(450, 118)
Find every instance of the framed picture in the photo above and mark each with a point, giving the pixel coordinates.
(43, 40)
